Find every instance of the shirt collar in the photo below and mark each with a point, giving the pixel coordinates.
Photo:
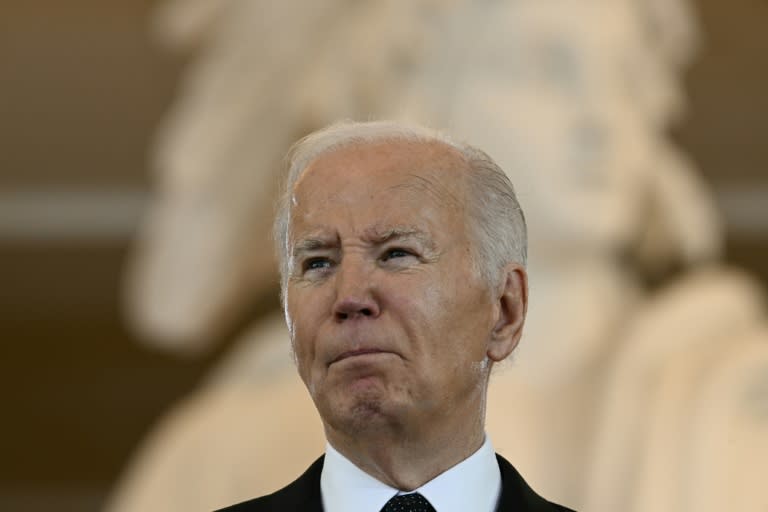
(472, 484)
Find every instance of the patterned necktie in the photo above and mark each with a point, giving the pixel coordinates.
(413, 502)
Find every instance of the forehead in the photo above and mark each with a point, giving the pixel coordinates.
(388, 161)
(374, 172)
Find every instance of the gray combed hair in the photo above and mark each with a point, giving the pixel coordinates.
(496, 222)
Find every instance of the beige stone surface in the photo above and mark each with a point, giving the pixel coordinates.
(728, 457)
(249, 430)
(683, 331)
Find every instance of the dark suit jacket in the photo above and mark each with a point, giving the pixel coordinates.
(303, 495)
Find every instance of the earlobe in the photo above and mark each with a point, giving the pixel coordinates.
(512, 306)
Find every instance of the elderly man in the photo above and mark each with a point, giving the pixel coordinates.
(403, 275)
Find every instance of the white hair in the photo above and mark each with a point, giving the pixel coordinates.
(496, 221)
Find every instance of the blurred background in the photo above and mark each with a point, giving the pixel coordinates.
(83, 87)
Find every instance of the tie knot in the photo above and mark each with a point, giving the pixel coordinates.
(413, 502)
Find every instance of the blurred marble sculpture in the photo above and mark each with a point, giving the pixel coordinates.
(572, 97)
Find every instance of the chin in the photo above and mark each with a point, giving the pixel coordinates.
(365, 412)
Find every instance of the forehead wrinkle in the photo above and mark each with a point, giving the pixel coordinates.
(435, 188)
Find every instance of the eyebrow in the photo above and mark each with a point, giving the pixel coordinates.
(374, 236)
(312, 244)
(378, 236)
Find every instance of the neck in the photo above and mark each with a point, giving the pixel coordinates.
(405, 458)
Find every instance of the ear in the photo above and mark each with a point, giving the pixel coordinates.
(512, 305)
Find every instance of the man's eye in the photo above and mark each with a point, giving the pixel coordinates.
(316, 263)
(395, 253)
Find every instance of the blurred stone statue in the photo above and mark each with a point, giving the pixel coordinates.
(613, 400)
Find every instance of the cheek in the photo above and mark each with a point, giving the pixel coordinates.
(417, 297)
(465, 318)
(301, 326)
(432, 308)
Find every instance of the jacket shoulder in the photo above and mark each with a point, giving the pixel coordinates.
(303, 494)
(517, 495)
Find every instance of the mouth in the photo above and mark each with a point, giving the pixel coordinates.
(357, 353)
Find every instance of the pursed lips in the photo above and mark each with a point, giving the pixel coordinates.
(358, 352)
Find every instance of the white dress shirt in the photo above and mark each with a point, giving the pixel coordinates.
(473, 484)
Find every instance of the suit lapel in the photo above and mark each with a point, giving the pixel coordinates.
(304, 493)
(516, 495)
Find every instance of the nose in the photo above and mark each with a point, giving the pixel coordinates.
(355, 297)
(353, 307)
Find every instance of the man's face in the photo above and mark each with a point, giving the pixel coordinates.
(389, 321)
